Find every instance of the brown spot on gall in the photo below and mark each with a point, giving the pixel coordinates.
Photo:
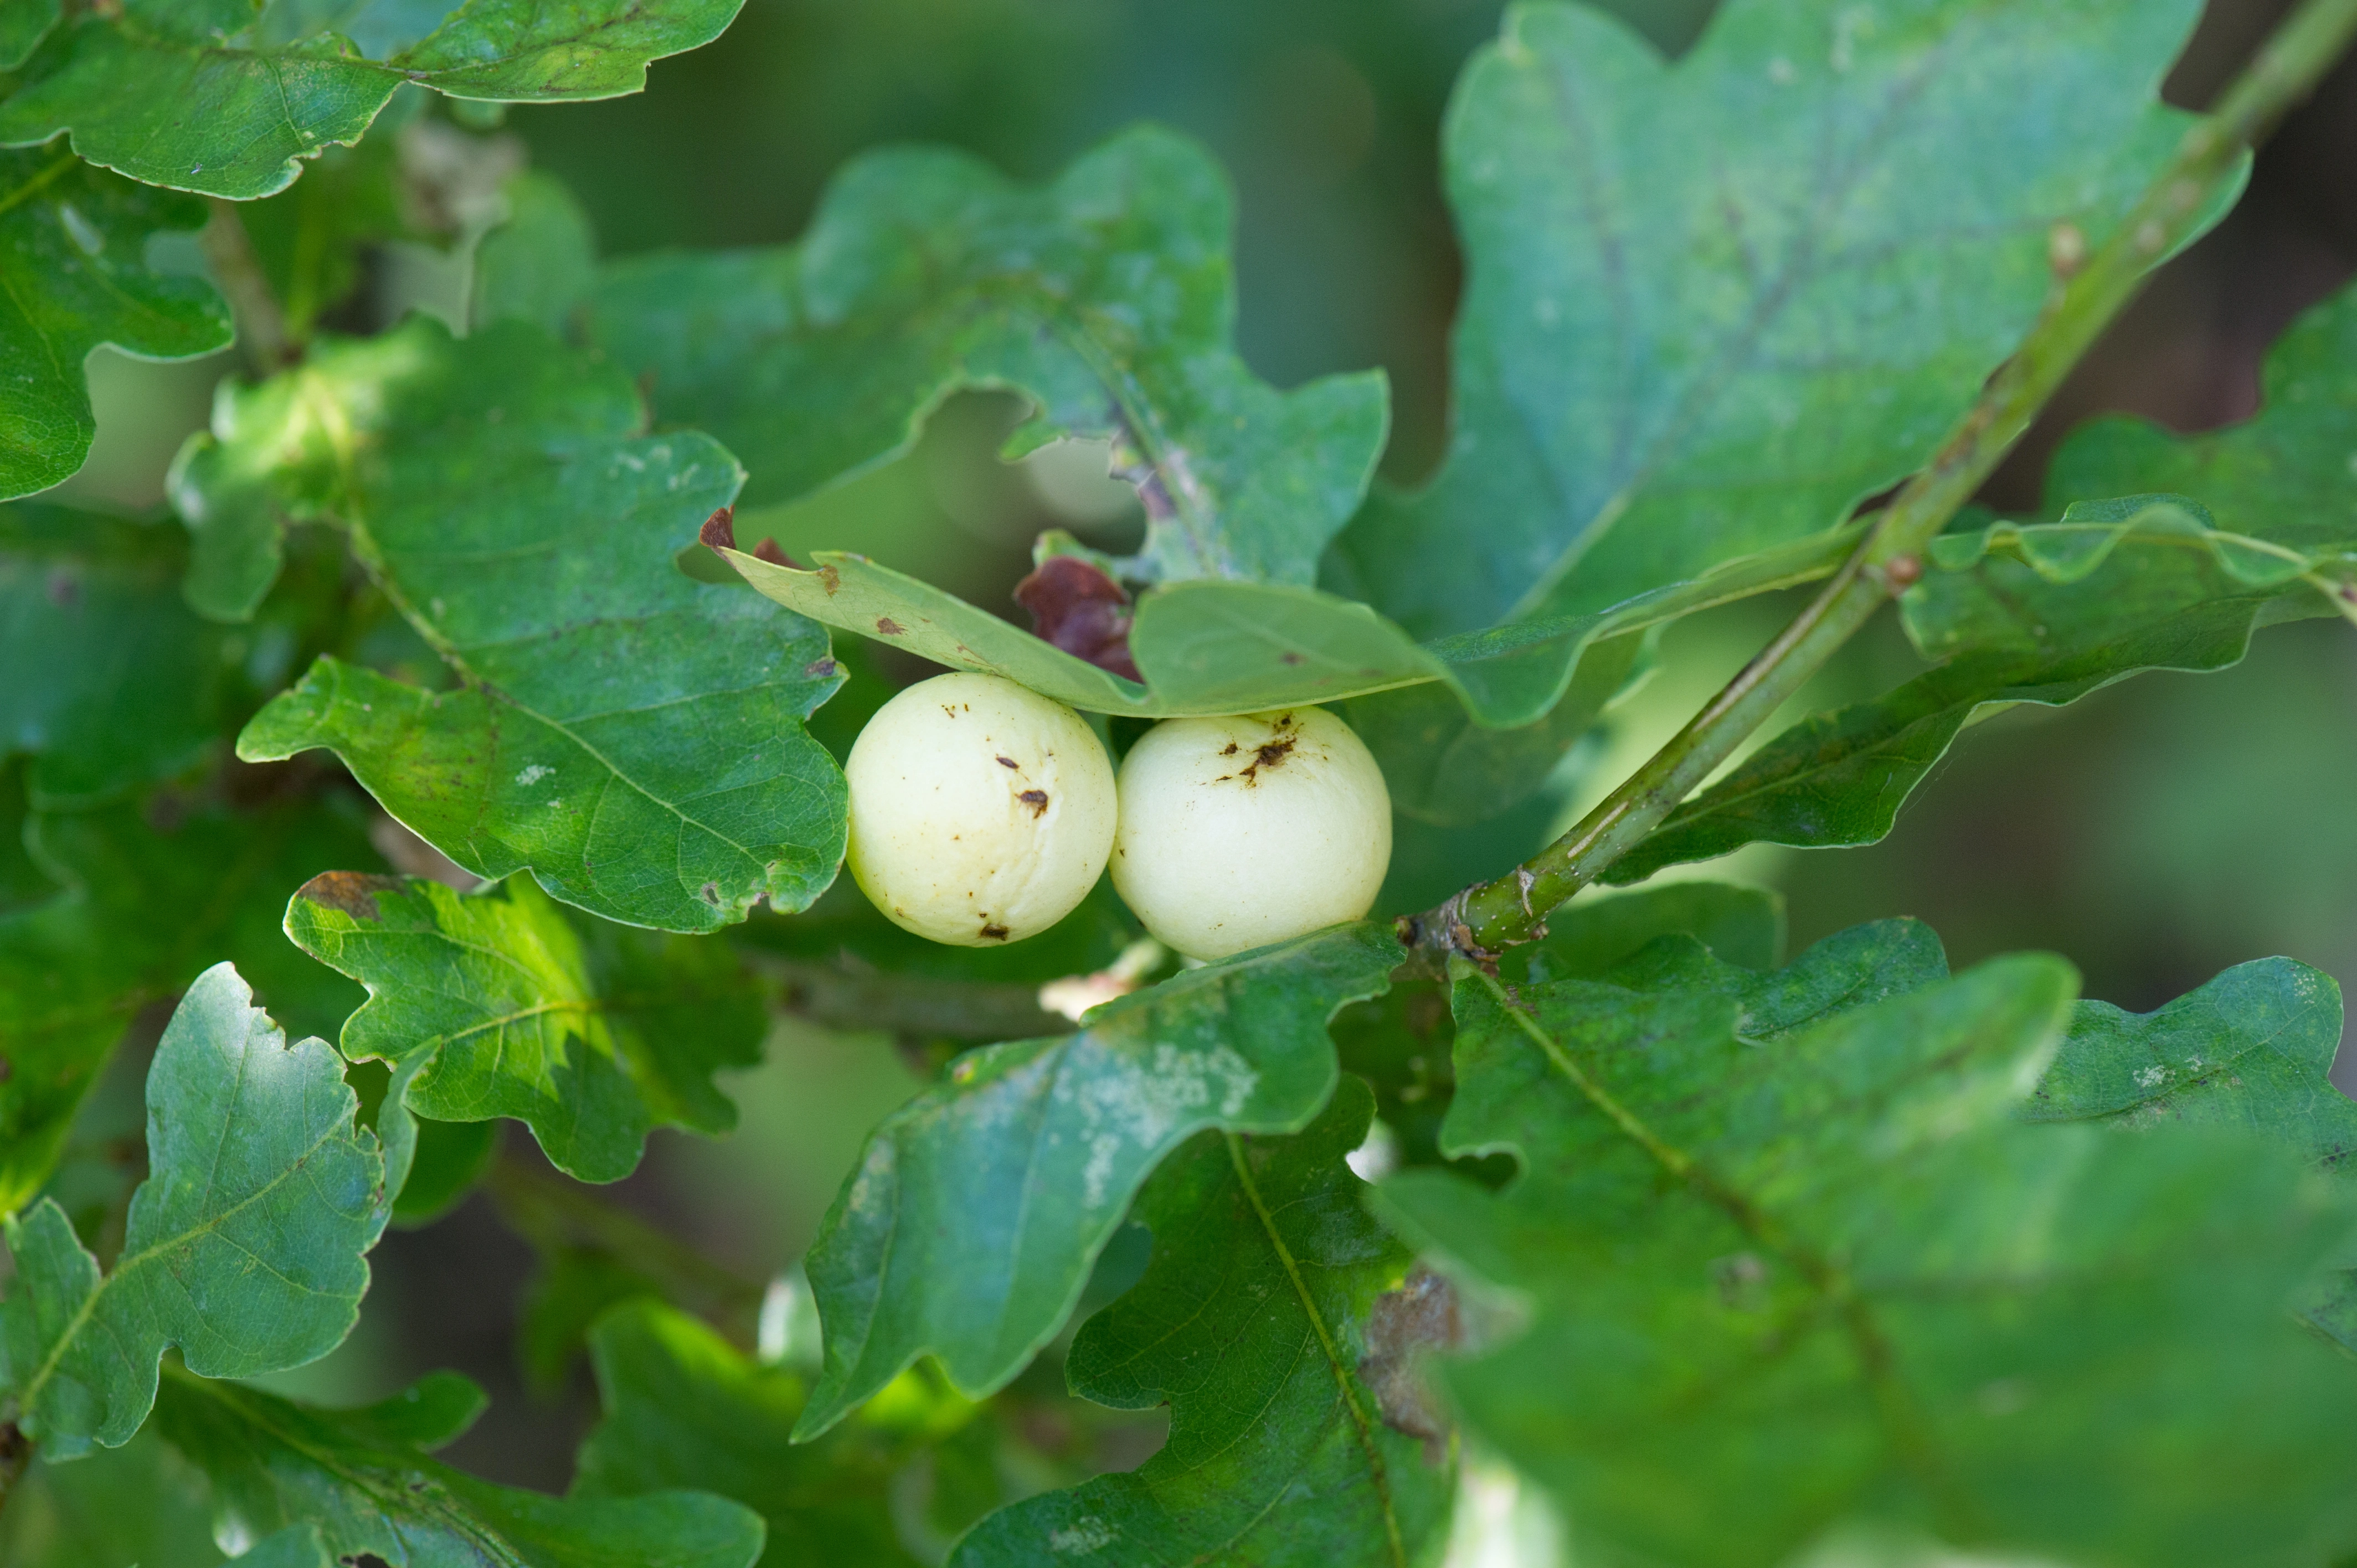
(995, 933)
(1007, 762)
(1035, 799)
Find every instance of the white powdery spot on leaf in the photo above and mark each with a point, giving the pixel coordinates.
(1141, 1108)
(1090, 1534)
(532, 775)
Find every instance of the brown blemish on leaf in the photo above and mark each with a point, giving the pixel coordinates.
(829, 579)
(710, 894)
(1422, 1315)
(768, 551)
(719, 530)
(1035, 799)
(820, 668)
(1288, 657)
(889, 626)
(351, 893)
(1078, 608)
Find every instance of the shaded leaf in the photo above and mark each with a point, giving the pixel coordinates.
(541, 265)
(1742, 926)
(1010, 1177)
(1278, 1322)
(1714, 303)
(633, 737)
(1787, 1256)
(23, 24)
(116, 683)
(245, 1242)
(139, 1506)
(683, 1408)
(2036, 623)
(500, 1004)
(75, 971)
(362, 1478)
(75, 272)
(1107, 297)
(2282, 476)
(229, 102)
(2252, 1048)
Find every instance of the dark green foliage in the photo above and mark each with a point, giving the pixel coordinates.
(1011, 1175)
(1281, 1324)
(245, 1242)
(76, 272)
(1786, 1254)
(225, 97)
(635, 738)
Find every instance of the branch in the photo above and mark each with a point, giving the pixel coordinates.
(2094, 289)
(551, 1212)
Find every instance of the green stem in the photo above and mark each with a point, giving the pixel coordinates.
(2094, 289)
(549, 1212)
(261, 325)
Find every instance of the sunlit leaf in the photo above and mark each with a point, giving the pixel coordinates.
(1281, 1325)
(501, 1004)
(1010, 1177)
(1107, 297)
(228, 101)
(361, 1477)
(1714, 303)
(245, 1242)
(1786, 1255)
(633, 737)
(76, 271)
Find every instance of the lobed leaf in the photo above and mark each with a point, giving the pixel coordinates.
(1107, 297)
(362, 1480)
(75, 272)
(244, 1245)
(496, 1003)
(229, 100)
(633, 737)
(1786, 1256)
(684, 1408)
(1279, 1323)
(2038, 615)
(1010, 1177)
(1714, 303)
(77, 968)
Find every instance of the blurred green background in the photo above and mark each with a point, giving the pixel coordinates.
(2154, 834)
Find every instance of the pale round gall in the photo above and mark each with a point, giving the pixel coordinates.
(981, 812)
(1239, 832)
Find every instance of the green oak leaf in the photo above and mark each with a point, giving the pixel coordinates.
(501, 1004)
(1713, 303)
(2029, 615)
(216, 99)
(1107, 297)
(23, 24)
(1743, 926)
(2253, 1048)
(1231, 647)
(2281, 476)
(139, 1506)
(76, 970)
(124, 685)
(684, 1408)
(245, 1243)
(1010, 1177)
(1786, 1256)
(1279, 1324)
(74, 273)
(541, 263)
(362, 1479)
(631, 736)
